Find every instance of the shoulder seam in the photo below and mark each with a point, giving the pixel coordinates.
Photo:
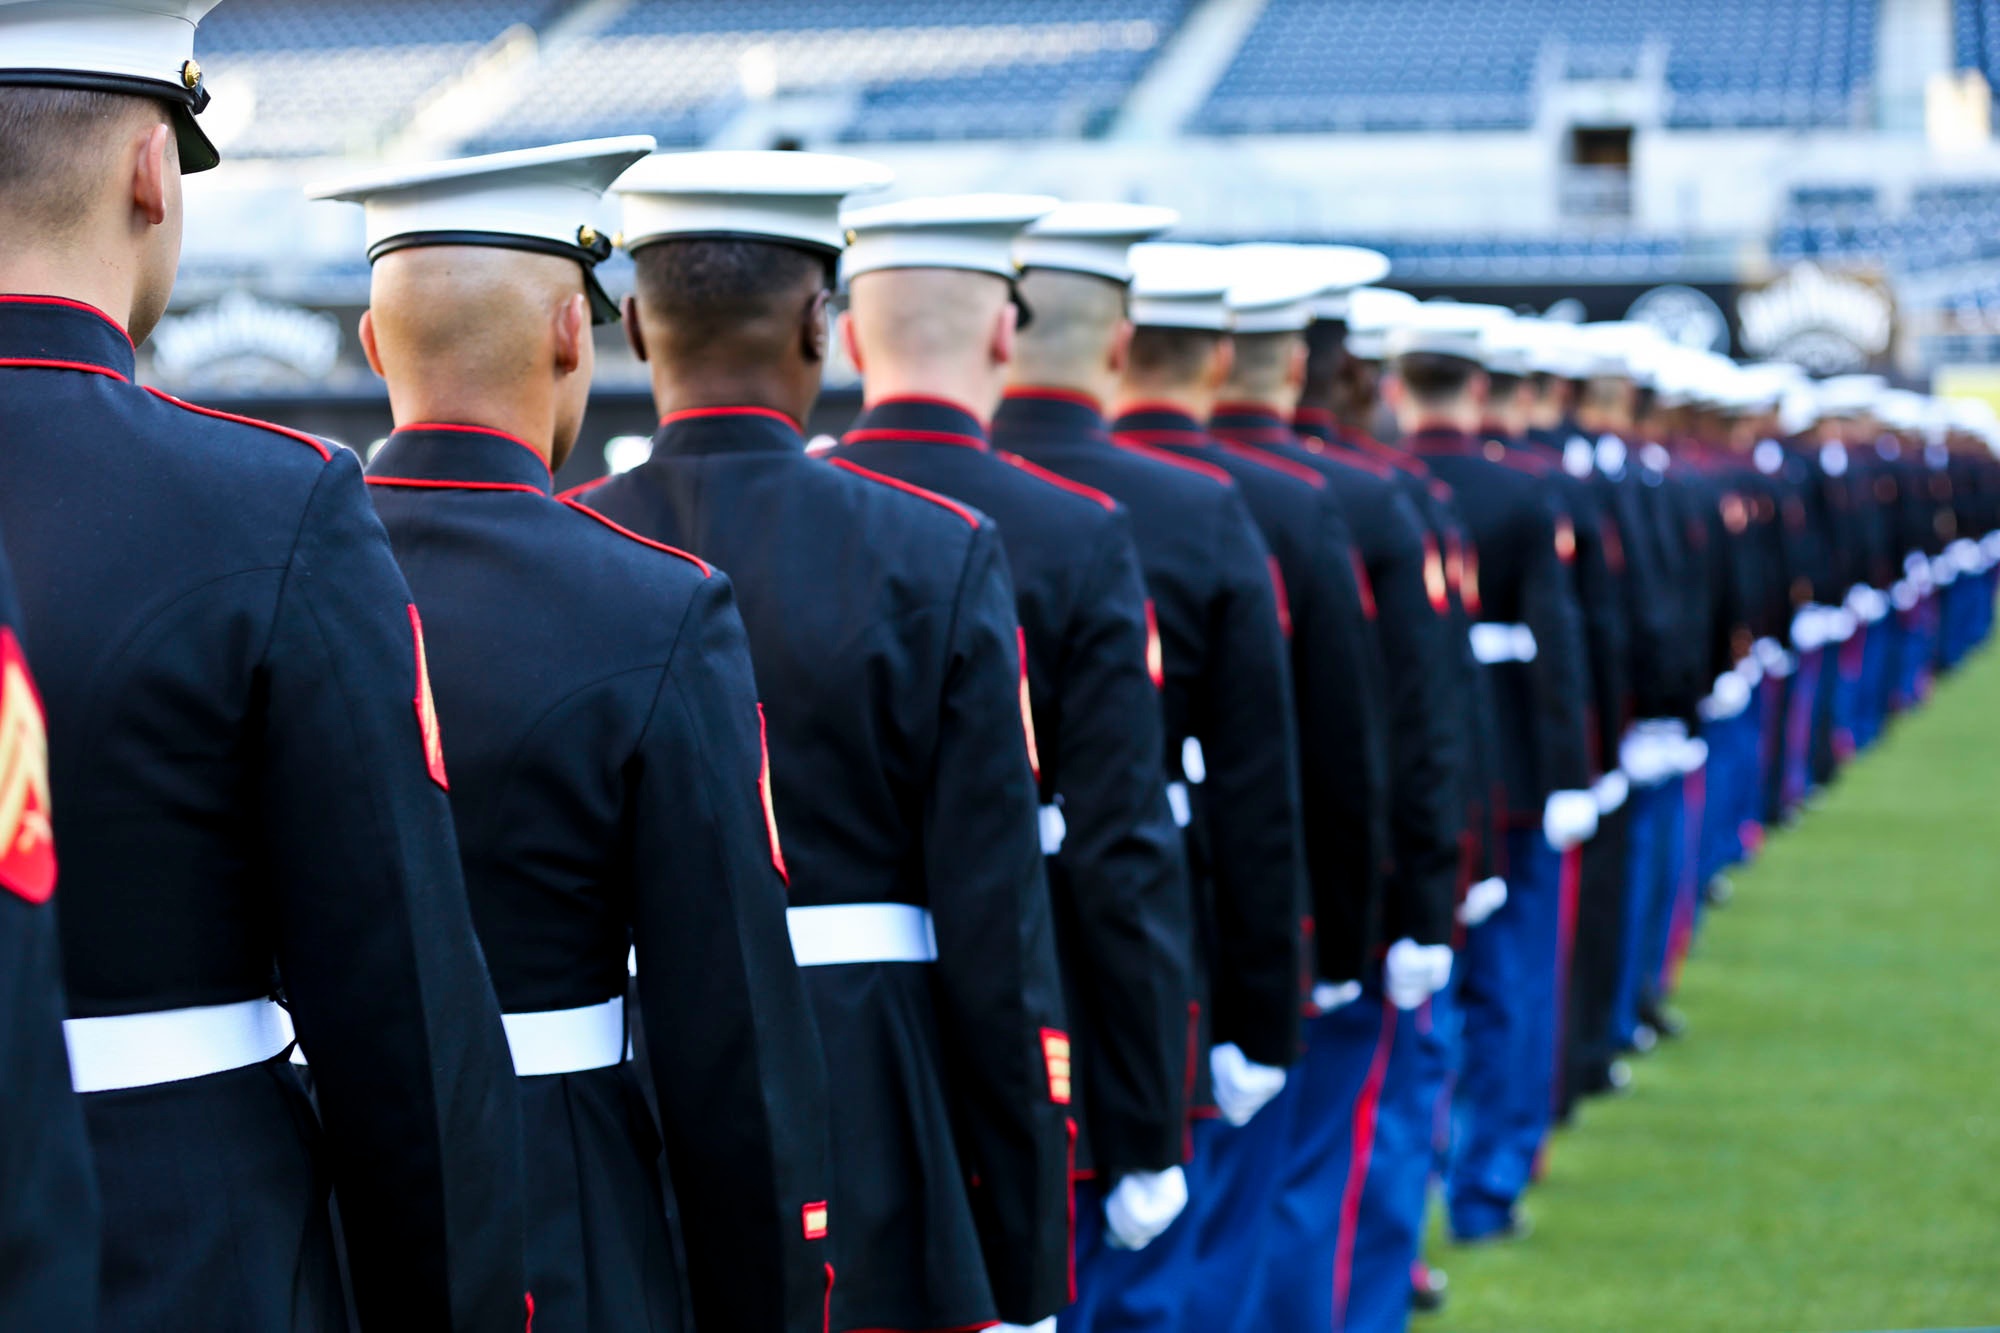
(1171, 459)
(623, 531)
(324, 450)
(898, 483)
(1057, 479)
(590, 485)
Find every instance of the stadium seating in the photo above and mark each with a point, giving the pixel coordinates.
(331, 76)
(1439, 64)
(1945, 224)
(889, 69)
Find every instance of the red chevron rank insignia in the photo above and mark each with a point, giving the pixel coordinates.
(27, 838)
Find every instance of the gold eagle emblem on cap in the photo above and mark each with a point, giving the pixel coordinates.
(191, 75)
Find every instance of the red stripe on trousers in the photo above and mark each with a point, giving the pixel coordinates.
(1357, 1166)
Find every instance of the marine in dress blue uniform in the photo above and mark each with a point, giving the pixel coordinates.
(253, 800)
(607, 775)
(882, 623)
(1226, 700)
(1117, 868)
(48, 1191)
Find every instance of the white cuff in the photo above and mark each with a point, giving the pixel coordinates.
(1331, 995)
(1610, 791)
(1242, 1086)
(1144, 1204)
(1482, 900)
(1569, 819)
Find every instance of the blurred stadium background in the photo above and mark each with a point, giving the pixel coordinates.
(1814, 180)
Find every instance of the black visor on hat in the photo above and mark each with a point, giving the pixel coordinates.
(197, 153)
(603, 310)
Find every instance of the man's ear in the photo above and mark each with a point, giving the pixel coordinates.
(851, 341)
(1120, 354)
(156, 161)
(635, 337)
(1221, 362)
(1295, 371)
(1394, 394)
(368, 348)
(813, 333)
(1479, 389)
(572, 332)
(1005, 333)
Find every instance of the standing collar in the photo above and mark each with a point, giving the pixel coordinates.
(1252, 423)
(1029, 416)
(1316, 422)
(722, 430)
(56, 333)
(1160, 423)
(438, 455)
(919, 420)
(1440, 440)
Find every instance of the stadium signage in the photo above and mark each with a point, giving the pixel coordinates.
(246, 338)
(1828, 322)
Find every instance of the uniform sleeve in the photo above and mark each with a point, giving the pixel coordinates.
(1000, 998)
(1603, 627)
(385, 979)
(1123, 859)
(734, 1051)
(48, 1189)
(1427, 753)
(1559, 672)
(1649, 624)
(1252, 805)
(1343, 747)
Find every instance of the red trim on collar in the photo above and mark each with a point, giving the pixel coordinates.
(901, 485)
(1152, 405)
(890, 434)
(1238, 409)
(1159, 455)
(427, 484)
(1318, 416)
(324, 450)
(1250, 453)
(930, 400)
(45, 363)
(1166, 435)
(1057, 479)
(65, 301)
(590, 485)
(623, 531)
(474, 430)
(695, 413)
(1076, 396)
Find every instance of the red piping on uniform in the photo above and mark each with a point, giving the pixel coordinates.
(43, 363)
(425, 483)
(1057, 479)
(1152, 405)
(1069, 1197)
(871, 434)
(1028, 715)
(1250, 453)
(1362, 583)
(961, 1328)
(474, 430)
(1284, 601)
(530, 1327)
(696, 413)
(1274, 418)
(1314, 416)
(1076, 396)
(1159, 455)
(1167, 435)
(926, 399)
(1357, 1167)
(826, 1320)
(771, 826)
(324, 450)
(65, 301)
(1193, 1076)
(623, 531)
(1569, 884)
(901, 485)
(590, 485)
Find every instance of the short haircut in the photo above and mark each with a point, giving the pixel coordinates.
(1262, 361)
(1500, 386)
(701, 290)
(1326, 350)
(1433, 379)
(1172, 356)
(47, 168)
(1075, 317)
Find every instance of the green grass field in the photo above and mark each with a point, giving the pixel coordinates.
(1822, 1149)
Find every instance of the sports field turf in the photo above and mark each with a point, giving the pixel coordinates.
(1822, 1149)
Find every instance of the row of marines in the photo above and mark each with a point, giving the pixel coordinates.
(1063, 867)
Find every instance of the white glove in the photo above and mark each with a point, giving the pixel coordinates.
(1569, 819)
(1481, 901)
(1406, 974)
(1144, 1204)
(1242, 1087)
(1439, 957)
(1651, 749)
(1904, 595)
(1966, 553)
(1809, 628)
(1730, 697)
(1840, 625)
(1750, 671)
(1331, 995)
(1691, 754)
(1610, 791)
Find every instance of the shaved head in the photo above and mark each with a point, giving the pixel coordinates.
(57, 148)
(944, 332)
(461, 332)
(1268, 369)
(1078, 320)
